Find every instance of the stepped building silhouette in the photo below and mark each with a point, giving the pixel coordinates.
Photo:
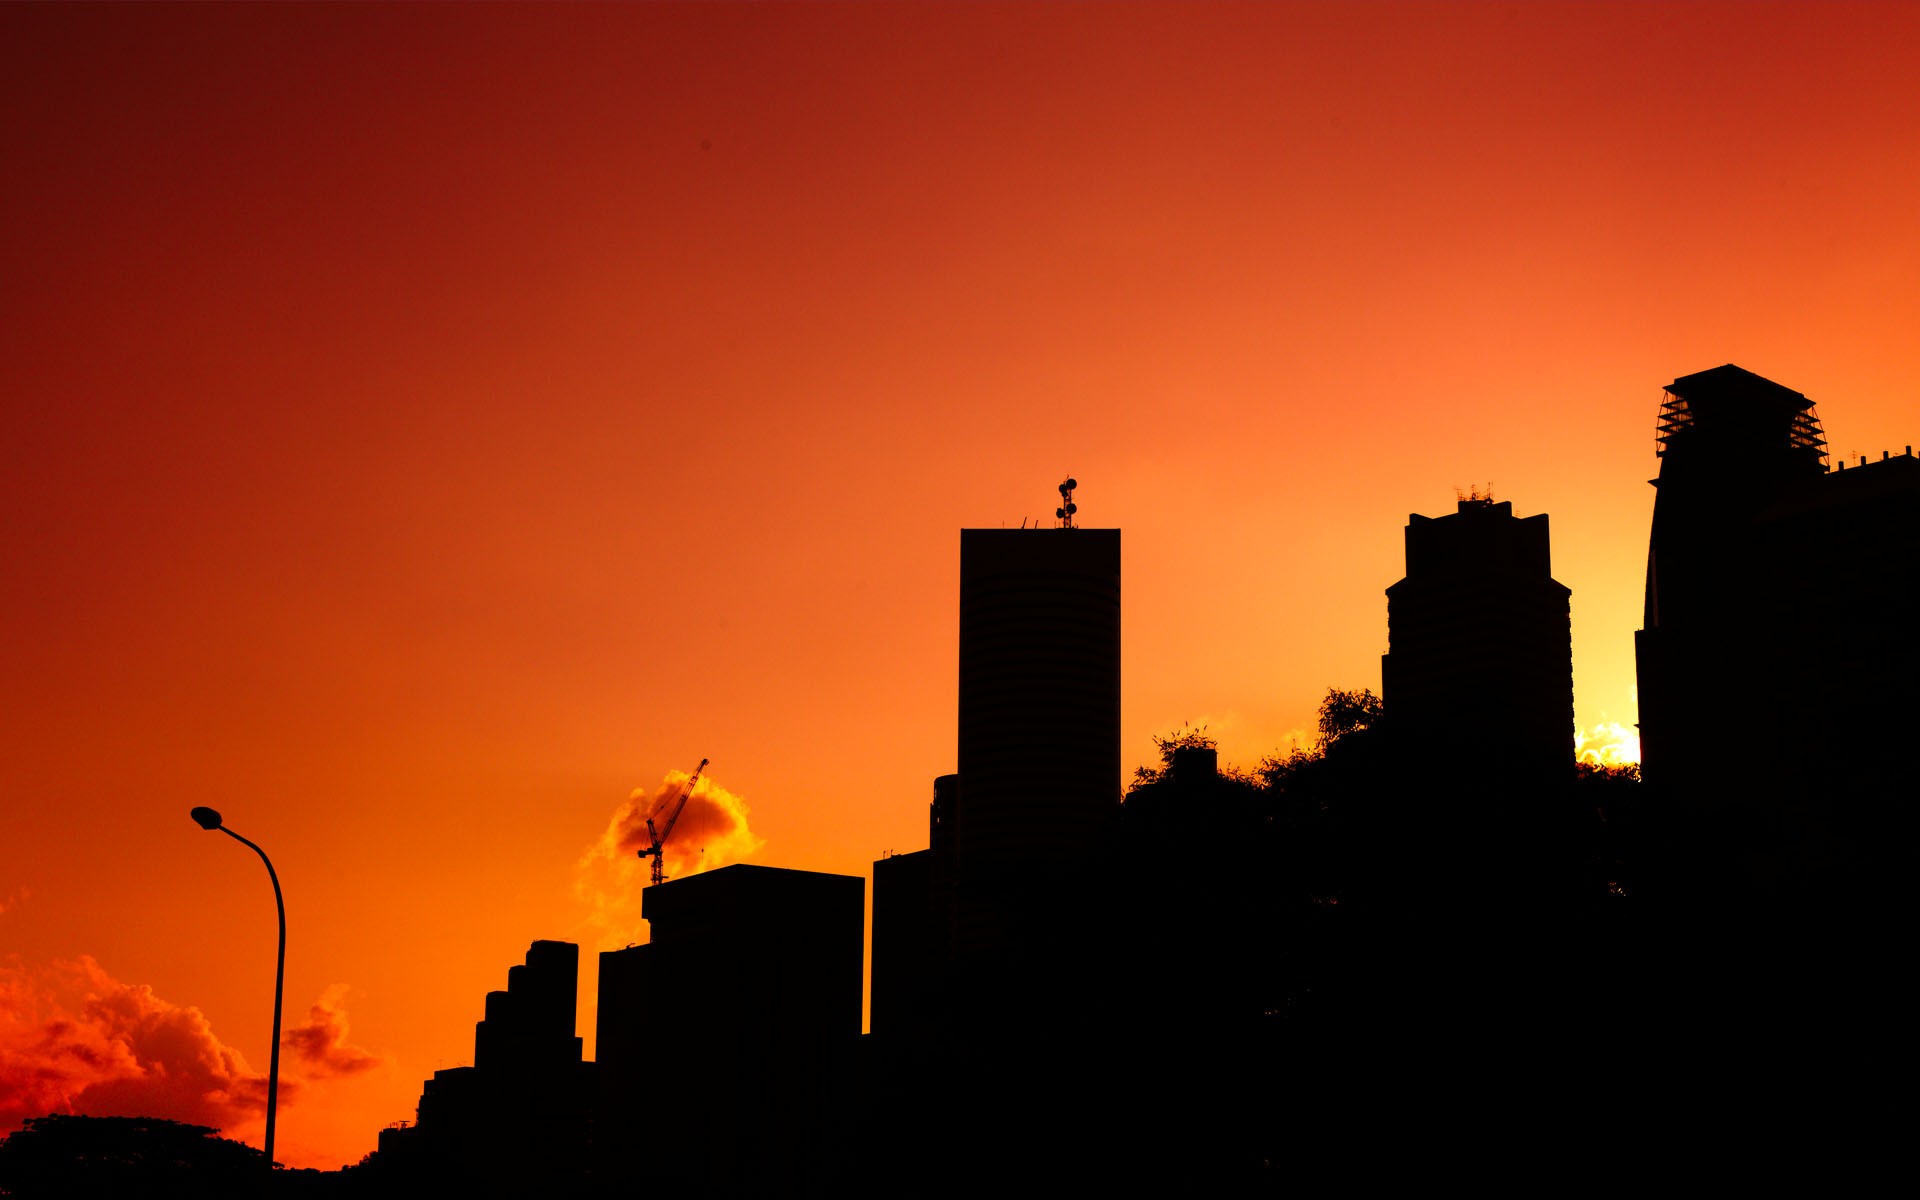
(520, 1116)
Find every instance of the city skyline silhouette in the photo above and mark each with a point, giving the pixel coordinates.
(1371, 903)
(432, 428)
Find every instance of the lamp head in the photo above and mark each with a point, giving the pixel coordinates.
(206, 818)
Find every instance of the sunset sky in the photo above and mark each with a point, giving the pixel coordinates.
(426, 425)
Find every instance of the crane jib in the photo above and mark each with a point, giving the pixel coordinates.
(658, 837)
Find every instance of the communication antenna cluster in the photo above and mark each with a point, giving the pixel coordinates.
(1067, 507)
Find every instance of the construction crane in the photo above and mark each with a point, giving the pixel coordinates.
(658, 837)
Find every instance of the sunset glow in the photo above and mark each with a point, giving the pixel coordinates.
(428, 423)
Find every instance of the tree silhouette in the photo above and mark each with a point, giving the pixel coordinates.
(1168, 746)
(74, 1156)
(1345, 713)
(1347, 721)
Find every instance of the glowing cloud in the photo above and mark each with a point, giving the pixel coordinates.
(712, 831)
(75, 1040)
(320, 1047)
(1608, 744)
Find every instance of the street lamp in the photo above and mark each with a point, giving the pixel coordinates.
(209, 820)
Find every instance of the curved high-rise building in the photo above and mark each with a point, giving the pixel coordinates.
(1778, 674)
(1730, 444)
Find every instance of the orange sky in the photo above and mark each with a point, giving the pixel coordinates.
(425, 425)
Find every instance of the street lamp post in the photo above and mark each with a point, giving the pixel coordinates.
(209, 820)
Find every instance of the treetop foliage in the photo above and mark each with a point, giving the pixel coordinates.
(1345, 713)
(1187, 737)
(78, 1156)
(1343, 716)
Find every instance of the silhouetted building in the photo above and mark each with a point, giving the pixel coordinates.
(996, 953)
(1467, 856)
(1039, 737)
(913, 927)
(1777, 663)
(520, 1118)
(1777, 678)
(1479, 663)
(724, 1041)
(1730, 444)
(529, 1026)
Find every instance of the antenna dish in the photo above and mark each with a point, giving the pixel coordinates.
(1066, 510)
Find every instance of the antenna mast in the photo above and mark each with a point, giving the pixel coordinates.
(1067, 507)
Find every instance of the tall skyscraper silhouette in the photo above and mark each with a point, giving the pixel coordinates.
(1479, 663)
(995, 950)
(1730, 443)
(1778, 677)
(1039, 744)
(1777, 666)
(965, 930)
(1039, 736)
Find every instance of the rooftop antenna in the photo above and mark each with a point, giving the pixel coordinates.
(1067, 507)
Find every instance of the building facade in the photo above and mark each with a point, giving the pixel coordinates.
(1777, 667)
(1479, 664)
(517, 1120)
(1039, 728)
(725, 1041)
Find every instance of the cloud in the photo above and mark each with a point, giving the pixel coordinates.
(1608, 744)
(13, 899)
(320, 1047)
(712, 831)
(75, 1040)
(1298, 739)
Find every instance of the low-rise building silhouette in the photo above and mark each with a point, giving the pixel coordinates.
(724, 1042)
(912, 954)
